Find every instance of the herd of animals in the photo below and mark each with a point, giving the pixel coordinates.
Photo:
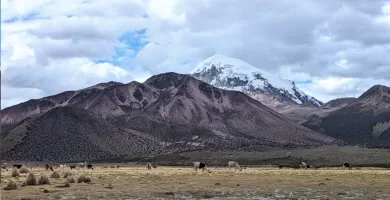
(149, 166)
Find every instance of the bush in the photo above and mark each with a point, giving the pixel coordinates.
(24, 170)
(10, 186)
(67, 184)
(87, 180)
(67, 174)
(55, 175)
(84, 179)
(30, 180)
(44, 180)
(15, 172)
(70, 179)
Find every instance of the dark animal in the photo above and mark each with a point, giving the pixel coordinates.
(49, 166)
(201, 165)
(117, 166)
(280, 166)
(347, 165)
(72, 167)
(154, 166)
(17, 166)
(89, 166)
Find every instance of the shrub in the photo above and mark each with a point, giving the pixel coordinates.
(87, 180)
(15, 173)
(10, 186)
(55, 175)
(67, 174)
(30, 180)
(84, 179)
(24, 170)
(70, 179)
(43, 180)
(67, 184)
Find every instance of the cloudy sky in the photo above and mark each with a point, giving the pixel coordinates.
(333, 48)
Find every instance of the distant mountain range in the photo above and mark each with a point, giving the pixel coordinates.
(223, 104)
(167, 113)
(363, 121)
(234, 74)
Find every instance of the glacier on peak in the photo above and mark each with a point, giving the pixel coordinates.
(234, 74)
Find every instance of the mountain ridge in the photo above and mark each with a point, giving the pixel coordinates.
(234, 74)
(175, 111)
(363, 121)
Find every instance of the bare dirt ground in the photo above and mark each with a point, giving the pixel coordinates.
(129, 182)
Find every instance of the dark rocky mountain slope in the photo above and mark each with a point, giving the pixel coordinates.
(167, 113)
(364, 121)
(67, 133)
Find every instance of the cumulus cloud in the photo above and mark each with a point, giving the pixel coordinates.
(341, 46)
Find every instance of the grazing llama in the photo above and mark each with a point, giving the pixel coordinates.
(235, 165)
(149, 166)
(201, 165)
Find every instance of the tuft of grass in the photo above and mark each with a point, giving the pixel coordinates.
(55, 175)
(84, 179)
(10, 186)
(24, 170)
(30, 180)
(44, 180)
(70, 179)
(67, 174)
(67, 184)
(15, 173)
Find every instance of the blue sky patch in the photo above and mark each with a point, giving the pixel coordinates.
(186, 62)
(303, 82)
(131, 44)
(28, 17)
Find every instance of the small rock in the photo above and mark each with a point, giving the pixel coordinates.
(238, 185)
(207, 196)
(169, 193)
(217, 184)
(25, 199)
(45, 191)
(320, 184)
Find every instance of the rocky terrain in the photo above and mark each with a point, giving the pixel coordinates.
(167, 113)
(363, 121)
(270, 89)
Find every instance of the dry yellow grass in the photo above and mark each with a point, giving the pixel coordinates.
(164, 182)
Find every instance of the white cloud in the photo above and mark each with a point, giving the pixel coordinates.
(303, 40)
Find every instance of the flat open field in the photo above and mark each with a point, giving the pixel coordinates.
(184, 183)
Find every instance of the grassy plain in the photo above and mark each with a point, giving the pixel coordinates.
(129, 182)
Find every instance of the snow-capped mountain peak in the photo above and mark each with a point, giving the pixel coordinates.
(235, 74)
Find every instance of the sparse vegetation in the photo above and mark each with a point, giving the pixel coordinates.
(55, 175)
(70, 179)
(24, 170)
(30, 180)
(83, 178)
(15, 173)
(66, 174)
(67, 184)
(43, 180)
(11, 185)
(379, 128)
(368, 183)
